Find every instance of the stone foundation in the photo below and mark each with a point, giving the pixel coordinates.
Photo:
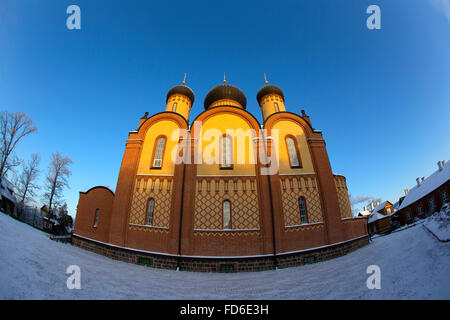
(221, 264)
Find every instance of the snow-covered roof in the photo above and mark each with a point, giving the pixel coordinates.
(380, 206)
(364, 213)
(374, 216)
(7, 189)
(434, 181)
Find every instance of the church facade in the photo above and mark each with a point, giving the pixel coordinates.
(224, 192)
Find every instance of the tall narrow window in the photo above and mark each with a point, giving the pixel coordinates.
(97, 211)
(419, 210)
(159, 152)
(227, 153)
(226, 214)
(294, 156)
(444, 195)
(150, 209)
(174, 107)
(302, 205)
(431, 205)
(276, 107)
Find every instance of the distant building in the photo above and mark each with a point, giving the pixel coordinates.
(380, 218)
(44, 211)
(8, 200)
(427, 197)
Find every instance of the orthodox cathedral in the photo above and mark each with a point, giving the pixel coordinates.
(223, 192)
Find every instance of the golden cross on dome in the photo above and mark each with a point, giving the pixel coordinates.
(184, 80)
(265, 78)
(224, 80)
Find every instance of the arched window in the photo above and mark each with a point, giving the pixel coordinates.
(294, 155)
(174, 107)
(276, 107)
(303, 214)
(150, 209)
(226, 214)
(159, 152)
(226, 161)
(97, 211)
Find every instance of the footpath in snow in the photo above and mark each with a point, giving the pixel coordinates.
(413, 263)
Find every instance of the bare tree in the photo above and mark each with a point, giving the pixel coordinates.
(13, 127)
(26, 185)
(56, 180)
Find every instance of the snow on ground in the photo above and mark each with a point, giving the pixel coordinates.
(414, 265)
(439, 224)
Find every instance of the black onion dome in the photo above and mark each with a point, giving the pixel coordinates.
(269, 89)
(181, 89)
(225, 91)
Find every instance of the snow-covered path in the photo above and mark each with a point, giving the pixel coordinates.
(414, 265)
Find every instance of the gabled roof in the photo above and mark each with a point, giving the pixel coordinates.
(434, 181)
(365, 213)
(380, 206)
(374, 216)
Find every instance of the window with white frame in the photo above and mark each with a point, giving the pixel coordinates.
(174, 107)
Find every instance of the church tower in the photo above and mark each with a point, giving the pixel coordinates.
(180, 99)
(270, 99)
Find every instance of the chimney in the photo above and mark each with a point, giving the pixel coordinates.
(372, 205)
(418, 182)
(440, 166)
(365, 208)
(406, 191)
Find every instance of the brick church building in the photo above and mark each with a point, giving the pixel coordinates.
(222, 192)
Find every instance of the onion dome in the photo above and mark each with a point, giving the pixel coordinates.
(225, 91)
(269, 89)
(181, 89)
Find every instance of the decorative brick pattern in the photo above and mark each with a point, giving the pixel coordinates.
(226, 233)
(343, 198)
(316, 226)
(241, 192)
(158, 188)
(294, 187)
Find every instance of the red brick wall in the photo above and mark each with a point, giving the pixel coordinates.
(96, 198)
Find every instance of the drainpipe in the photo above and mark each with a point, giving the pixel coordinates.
(271, 203)
(182, 203)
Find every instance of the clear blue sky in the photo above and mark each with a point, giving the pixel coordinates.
(381, 97)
